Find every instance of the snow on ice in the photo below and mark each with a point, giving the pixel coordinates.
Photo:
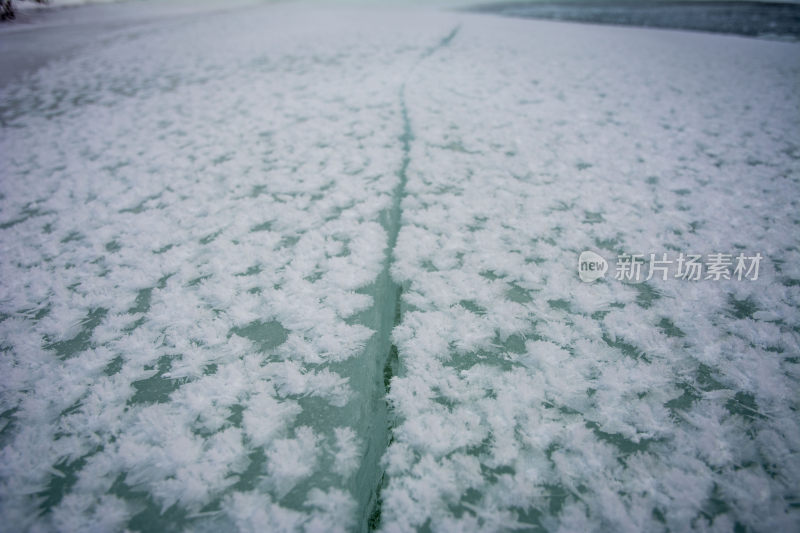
(296, 269)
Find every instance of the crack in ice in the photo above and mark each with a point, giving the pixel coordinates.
(394, 290)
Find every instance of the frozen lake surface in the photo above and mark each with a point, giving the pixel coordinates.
(39, 34)
(293, 268)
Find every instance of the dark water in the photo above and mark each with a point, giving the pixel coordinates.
(741, 18)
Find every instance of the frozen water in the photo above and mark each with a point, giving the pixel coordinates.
(526, 398)
(196, 276)
(62, 28)
(295, 269)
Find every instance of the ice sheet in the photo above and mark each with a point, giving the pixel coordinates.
(205, 227)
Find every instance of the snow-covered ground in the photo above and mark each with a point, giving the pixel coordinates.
(313, 269)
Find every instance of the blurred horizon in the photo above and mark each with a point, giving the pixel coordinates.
(433, 3)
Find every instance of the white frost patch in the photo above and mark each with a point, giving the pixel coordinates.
(290, 460)
(348, 451)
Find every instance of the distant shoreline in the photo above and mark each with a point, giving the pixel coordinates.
(750, 18)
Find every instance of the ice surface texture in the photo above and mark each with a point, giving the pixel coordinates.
(527, 399)
(199, 277)
(195, 223)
